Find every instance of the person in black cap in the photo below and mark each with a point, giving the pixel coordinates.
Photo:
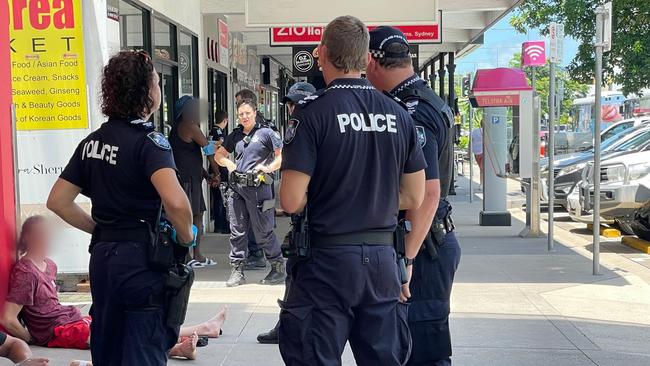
(297, 92)
(189, 144)
(433, 264)
(351, 160)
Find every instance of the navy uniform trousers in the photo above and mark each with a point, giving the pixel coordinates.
(128, 327)
(344, 293)
(429, 304)
(245, 215)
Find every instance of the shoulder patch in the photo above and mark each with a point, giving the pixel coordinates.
(276, 134)
(290, 132)
(308, 99)
(159, 140)
(422, 136)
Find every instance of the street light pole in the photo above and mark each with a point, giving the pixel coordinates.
(551, 156)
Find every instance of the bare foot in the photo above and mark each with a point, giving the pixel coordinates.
(212, 327)
(81, 363)
(186, 349)
(34, 362)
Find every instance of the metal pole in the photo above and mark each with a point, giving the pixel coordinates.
(551, 156)
(600, 12)
(471, 156)
(529, 195)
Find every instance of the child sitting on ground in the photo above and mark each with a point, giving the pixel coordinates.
(33, 299)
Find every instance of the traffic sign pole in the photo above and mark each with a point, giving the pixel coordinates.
(556, 34)
(600, 14)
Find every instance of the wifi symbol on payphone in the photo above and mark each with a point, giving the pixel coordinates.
(534, 51)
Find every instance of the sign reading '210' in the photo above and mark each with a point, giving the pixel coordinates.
(47, 64)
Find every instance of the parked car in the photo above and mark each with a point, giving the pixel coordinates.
(624, 188)
(568, 169)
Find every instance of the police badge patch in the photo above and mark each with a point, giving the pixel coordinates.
(290, 133)
(159, 140)
(422, 137)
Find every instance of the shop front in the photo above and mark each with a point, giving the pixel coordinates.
(217, 41)
(173, 47)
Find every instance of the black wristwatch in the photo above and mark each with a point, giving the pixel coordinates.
(409, 261)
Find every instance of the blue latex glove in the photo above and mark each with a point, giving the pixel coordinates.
(209, 149)
(195, 232)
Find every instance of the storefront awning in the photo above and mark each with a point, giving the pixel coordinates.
(463, 24)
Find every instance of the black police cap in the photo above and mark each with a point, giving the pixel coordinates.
(383, 36)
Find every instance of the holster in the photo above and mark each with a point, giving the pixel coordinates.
(297, 242)
(177, 294)
(161, 249)
(437, 232)
(399, 241)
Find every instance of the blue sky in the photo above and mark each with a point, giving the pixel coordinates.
(501, 42)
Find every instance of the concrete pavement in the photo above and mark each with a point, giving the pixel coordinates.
(513, 303)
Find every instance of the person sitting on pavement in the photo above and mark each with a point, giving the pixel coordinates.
(18, 352)
(33, 299)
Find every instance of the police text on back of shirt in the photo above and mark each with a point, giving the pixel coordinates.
(375, 122)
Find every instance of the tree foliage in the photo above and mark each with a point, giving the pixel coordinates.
(572, 88)
(628, 62)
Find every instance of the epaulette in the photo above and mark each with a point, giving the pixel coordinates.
(306, 100)
(142, 124)
(396, 99)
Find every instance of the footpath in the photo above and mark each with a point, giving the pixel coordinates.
(514, 303)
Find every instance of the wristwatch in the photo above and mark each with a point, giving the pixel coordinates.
(409, 261)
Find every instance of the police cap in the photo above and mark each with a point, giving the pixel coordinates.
(383, 36)
(298, 91)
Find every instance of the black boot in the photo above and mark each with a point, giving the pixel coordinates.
(277, 275)
(270, 337)
(236, 275)
(255, 260)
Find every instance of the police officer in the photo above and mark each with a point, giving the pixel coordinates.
(255, 259)
(434, 264)
(126, 168)
(297, 92)
(251, 206)
(351, 159)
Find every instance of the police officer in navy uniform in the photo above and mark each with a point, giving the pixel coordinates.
(434, 263)
(126, 168)
(255, 259)
(297, 92)
(352, 160)
(257, 152)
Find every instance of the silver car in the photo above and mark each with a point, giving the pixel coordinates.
(625, 186)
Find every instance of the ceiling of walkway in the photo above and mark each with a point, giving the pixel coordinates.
(463, 23)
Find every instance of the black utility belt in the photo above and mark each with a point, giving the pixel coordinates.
(140, 235)
(358, 238)
(251, 178)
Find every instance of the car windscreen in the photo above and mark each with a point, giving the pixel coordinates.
(615, 140)
(634, 143)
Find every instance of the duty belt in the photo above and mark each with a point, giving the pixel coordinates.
(251, 179)
(136, 234)
(358, 238)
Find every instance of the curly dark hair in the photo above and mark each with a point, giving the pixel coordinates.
(126, 81)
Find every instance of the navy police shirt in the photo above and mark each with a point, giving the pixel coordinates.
(355, 143)
(256, 147)
(113, 167)
(432, 130)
